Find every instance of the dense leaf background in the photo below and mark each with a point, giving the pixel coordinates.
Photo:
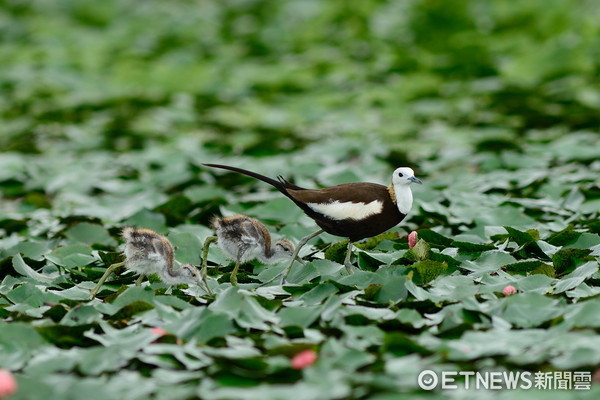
(109, 108)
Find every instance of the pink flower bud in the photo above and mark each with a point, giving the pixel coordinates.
(159, 331)
(412, 239)
(8, 384)
(304, 359)
(508, 290)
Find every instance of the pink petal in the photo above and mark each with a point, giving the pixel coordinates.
(159, 331)
(508, 290)
(412, 239)
(8, 383)
(304, 359)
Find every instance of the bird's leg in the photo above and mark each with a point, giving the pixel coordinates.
(233, 278)
(204, 272)
(108, 271)
(209, 240)
(203, 279)
(139, 280)
(347, 263)
(302, 242)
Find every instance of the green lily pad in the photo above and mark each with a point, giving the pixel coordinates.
(90, 234)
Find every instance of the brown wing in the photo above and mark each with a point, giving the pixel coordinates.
(163, 247)
(263, 233)
(348, 192)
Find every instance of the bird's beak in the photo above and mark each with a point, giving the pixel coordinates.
(415, 180)
(301, 261)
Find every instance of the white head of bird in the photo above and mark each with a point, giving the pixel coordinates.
(402, 178)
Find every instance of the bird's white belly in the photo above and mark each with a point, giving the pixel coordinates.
(231, 248)
(150, 264)
(347, 210)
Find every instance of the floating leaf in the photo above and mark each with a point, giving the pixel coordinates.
(576, 277)
(566, 236)
(337, 251)
(22, 268)
(428, 270)
(472, 247)
(401, 345)
(301, 317)
(434, 238)
(175, 209)
(566, 260)
(529, 310)
(148, 219)
(71, 256)
(522, 267)
(421, 250)
(89, 234)
(392, 291)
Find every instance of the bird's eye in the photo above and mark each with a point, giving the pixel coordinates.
(400, 174)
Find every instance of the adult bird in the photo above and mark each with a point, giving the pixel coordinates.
(147, 253)
(243, 239)
(353, 210)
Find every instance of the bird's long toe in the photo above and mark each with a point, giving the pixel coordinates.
(349, 267)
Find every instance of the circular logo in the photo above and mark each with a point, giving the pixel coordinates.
(427, 380)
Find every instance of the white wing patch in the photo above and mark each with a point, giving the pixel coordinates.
(347, 210)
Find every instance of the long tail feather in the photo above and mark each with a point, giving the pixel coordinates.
(281, 186)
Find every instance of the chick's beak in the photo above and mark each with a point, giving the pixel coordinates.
(301, 261)
(415, 180)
